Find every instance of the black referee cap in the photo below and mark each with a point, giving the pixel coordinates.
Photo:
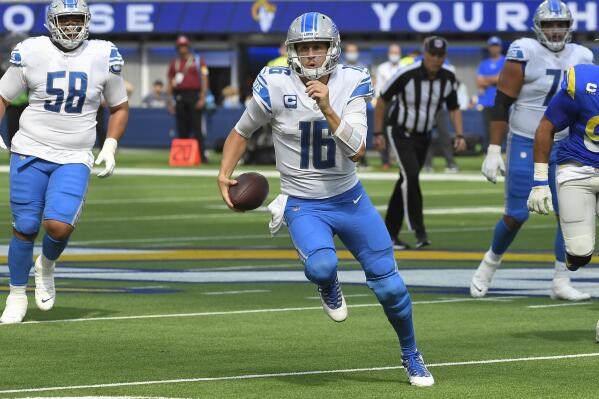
(435, 45)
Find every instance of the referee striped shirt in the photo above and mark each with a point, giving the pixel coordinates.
(415, 99)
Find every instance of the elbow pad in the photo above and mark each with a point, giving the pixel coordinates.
(501, 110)
(350, 137)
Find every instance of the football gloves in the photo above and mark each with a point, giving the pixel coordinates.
(106, 156)
(539, 199)
(492, 162)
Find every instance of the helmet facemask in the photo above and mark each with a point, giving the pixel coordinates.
(553, 24)
(309, 28)
(68, 29)
(331, 59)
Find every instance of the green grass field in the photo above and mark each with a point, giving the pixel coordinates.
(166, 293)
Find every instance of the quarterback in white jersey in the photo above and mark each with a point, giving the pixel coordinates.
(317, 109)
(529, 80)
(66, 75)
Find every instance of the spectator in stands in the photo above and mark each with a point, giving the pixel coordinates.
(488, 74)
(231, 97)
(157, 98)
(281, 60)
(383, 73)
(188, 84)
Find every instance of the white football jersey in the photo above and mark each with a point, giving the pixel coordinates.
(65, 90)
(543, 72)
(310, 162)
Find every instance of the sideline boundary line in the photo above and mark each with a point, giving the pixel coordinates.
(303, 373)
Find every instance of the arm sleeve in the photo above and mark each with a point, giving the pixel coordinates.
(115, 61)
(452, 98)
(115, 91)
(12, 83)
(253, 118)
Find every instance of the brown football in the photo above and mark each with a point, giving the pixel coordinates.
(250, 191)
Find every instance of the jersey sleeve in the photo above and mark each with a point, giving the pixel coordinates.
(16, 56)
(363, 89)
(253, 118)
(12, 83)
(115, 91)
(518, 51)
(562, 111)
(115, 61)
(260, 91)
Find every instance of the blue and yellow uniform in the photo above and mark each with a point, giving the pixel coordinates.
(576, 106)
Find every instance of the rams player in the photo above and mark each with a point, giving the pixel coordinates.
(575, 106)
(66, 76)
(528, 80)
(317, 110)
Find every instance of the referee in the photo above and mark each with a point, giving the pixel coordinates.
(417, 93)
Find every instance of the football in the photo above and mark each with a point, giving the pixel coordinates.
(250, 191)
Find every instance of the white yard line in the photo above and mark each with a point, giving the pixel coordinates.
(303, 373)
(381, 176)
(559, 305)
(238, 312)
(234, 292)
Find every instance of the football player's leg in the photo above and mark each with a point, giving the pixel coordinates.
(561, 287)
(313, 240)
(365, 235)
(64, 201)
(519, 178)
(577, 219)
(27, 191)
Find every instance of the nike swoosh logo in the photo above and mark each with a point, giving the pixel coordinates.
(357, 199)
(46, 300)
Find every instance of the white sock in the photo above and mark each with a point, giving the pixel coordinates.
(18, 289)
(561, 271)
(46, 263)
(493, 257)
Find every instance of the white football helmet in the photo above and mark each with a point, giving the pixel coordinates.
(548, 11)
(68, 36)
(313, 27)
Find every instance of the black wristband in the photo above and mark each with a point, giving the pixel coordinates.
(378, 133)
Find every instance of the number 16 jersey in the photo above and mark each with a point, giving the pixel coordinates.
(311, 163)
(65, 91)
(543, 72)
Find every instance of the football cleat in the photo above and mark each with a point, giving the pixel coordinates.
(333, 301)
(399, 245)
(45, 292)
(16, 307)
(562, 289)
(416, 370)
(482, 277)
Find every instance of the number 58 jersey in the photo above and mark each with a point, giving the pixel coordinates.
(65, 91)
(543, 71)
(311, 163)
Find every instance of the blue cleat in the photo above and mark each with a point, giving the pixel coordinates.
(416, 370)
(333, 301)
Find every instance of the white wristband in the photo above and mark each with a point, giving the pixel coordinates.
(541, 171)
(494, 149)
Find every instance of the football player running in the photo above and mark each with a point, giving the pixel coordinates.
(528, 80)
(317, 109)
(66, 76)
(575, 106)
